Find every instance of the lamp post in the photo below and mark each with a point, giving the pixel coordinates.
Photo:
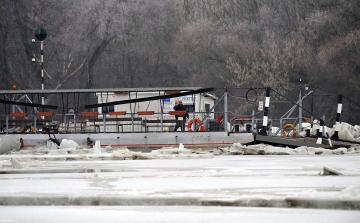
(40, 35)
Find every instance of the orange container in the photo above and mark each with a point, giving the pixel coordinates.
(18, 114)
(145, 112)
(45, 113)
(117, 113)
(177, 112)
(89, 114)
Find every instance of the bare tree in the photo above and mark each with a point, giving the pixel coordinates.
(239, 43)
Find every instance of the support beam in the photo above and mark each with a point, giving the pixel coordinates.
(149, 98)
(28, 104)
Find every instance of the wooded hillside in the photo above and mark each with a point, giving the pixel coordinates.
(209, 43)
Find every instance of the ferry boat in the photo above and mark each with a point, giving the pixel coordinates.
(139, 117)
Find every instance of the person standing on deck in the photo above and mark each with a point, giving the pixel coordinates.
(180, 122)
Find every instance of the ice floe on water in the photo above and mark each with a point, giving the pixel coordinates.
(69, 147)
(263, 149)
(346, 131)
(10, 146)
(97, 177)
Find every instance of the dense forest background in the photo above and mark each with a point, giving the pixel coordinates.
(240, 44)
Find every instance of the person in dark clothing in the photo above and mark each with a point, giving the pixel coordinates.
(180, 120)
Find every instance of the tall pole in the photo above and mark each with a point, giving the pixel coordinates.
(312, 107)
(40, 35)
(42, 71)
(300, 110)
(225, 109)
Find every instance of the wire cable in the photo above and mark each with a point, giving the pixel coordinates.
(351, 101)
(251, 101)
(296, 104)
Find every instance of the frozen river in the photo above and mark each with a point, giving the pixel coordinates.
(254, 188)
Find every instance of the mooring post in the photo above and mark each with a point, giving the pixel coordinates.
(337, 124)
(320, 132)
(263, 131)
(323, 127)
(225, 108)
(252, 120)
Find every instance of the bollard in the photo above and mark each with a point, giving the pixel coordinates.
(337, 124)
(262, 131)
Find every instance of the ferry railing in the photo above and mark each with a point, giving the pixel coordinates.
(72, 123)
(136, 122)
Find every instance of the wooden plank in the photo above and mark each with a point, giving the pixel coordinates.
(292, 143)
(115, 119)
(129, 119)
(159, 121)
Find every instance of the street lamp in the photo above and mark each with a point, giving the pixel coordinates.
(40, 35)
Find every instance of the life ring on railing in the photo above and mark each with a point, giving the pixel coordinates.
(218, 120)
(196, 120)
(284, 132)
(32, 129)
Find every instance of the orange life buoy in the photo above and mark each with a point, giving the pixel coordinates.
(284, 132)
(196, 120)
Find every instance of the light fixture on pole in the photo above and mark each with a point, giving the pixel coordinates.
(40, 35)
